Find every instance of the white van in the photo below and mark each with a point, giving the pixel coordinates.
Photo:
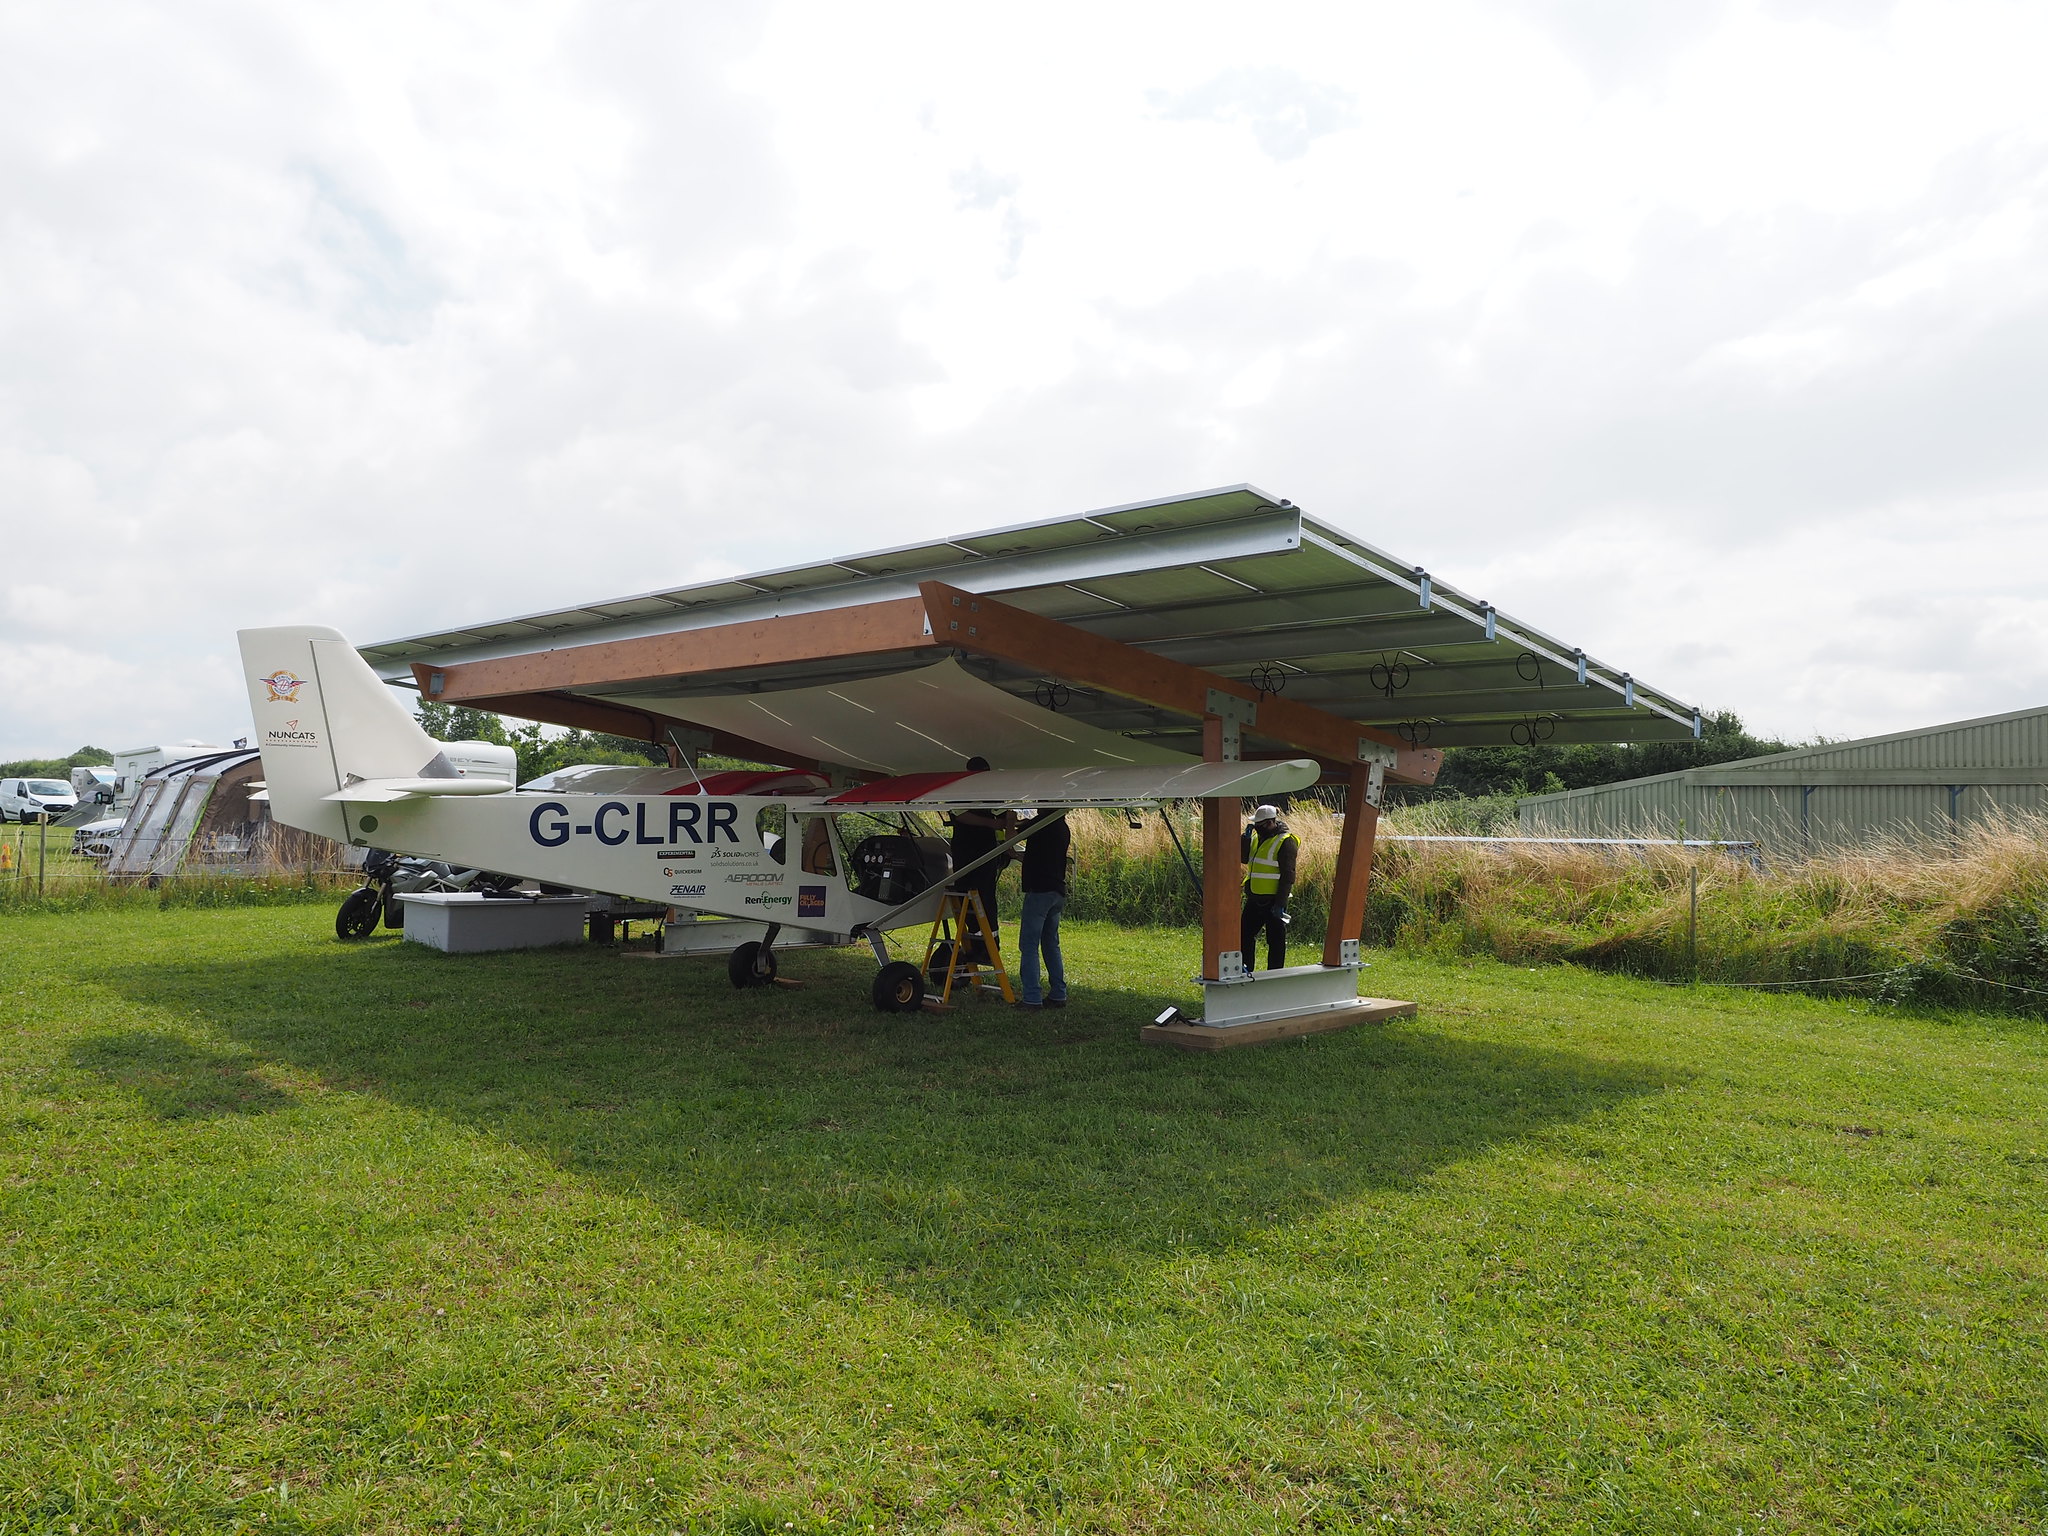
(28, 800)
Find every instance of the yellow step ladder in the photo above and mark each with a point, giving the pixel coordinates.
(960, 915)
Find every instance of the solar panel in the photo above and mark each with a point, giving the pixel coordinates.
(1231, 580)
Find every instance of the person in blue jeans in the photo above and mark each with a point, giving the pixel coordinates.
(1044, 868)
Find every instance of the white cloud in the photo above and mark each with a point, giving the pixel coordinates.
(1707, 340)
(1285, 112)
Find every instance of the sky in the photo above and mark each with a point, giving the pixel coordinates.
(1712, 338)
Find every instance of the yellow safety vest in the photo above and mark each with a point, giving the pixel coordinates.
(1264, 879)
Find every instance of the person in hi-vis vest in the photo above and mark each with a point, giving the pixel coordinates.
(1269, 852)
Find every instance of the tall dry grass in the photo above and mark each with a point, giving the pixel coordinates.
(1955, 918)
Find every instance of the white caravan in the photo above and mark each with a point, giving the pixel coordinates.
(135, 764)
(343, 758)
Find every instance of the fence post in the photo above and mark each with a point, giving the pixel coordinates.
(42, 848)
(1692, 926)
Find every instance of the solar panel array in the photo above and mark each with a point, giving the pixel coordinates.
(1231, 580)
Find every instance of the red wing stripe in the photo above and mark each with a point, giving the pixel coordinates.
(909, 786)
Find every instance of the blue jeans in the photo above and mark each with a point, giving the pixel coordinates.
(1040, 929)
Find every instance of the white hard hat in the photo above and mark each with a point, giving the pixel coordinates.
(1266, 813)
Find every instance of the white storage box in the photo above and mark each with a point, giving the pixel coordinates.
(464, 922)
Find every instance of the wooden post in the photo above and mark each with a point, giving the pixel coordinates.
(1692, 923)
(1222, 870)
(1354, 866)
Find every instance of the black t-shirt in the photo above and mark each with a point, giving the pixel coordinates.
(1045, 858)
(971, 841)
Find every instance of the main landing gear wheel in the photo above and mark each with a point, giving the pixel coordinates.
(899, 987)
(750, 966)
(357, 918)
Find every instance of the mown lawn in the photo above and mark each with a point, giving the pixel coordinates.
(305, 1236)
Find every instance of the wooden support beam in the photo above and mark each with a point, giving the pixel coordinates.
(861, 630)
(1222, 870)
(972, 622)
(622, 720)
(567, 709)
(1353, 875)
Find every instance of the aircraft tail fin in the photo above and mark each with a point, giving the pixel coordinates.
(324, 720)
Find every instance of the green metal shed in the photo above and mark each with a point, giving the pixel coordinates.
(1834, 795)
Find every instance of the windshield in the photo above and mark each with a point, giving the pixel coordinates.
(47, 787)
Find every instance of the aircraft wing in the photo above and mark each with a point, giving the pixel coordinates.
(380, 791)
(1053, 788)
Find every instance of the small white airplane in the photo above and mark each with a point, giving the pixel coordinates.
(343, 758)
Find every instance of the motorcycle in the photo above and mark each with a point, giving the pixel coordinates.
(387, 876)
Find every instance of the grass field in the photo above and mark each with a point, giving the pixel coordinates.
(306, 1237)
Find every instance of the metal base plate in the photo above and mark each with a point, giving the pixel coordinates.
(1210, 1037)
(1251, 997)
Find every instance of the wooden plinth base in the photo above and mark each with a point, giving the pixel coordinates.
(1202, 1037)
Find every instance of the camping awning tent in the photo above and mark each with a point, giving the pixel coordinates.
(206, 814)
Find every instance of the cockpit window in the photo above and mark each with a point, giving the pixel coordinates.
(818, 859)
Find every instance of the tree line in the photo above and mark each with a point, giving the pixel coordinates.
(1467, 771)
(537, 752)
(55, 767)
(1544, 769)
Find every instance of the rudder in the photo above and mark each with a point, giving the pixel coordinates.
(323, 719)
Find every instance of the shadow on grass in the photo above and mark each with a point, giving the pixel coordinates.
(176, 1080)
(988, 1161)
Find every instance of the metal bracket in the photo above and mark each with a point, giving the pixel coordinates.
(1378, 753)
(1347, 952)
(1375, 785)
(1235, 714)
(1228, 706)
(1230, 966)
